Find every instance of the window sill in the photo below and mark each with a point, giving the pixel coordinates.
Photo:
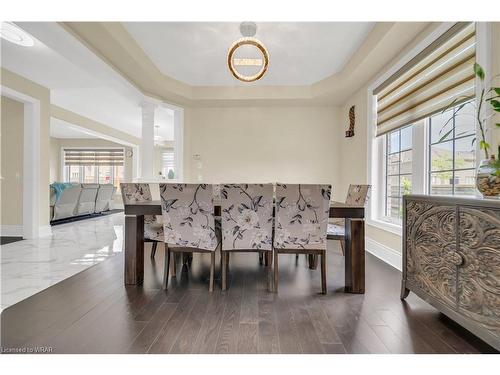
(384, 225)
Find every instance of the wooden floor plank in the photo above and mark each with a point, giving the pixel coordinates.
(334, 349)
(227, 340)
(93, 312)
(268, 332)
(309, 341)
(190, 330)
(402, 330)
(148, 335)
(288, 336)
(209, 332)
(324, 329)
(170, 331)
(248, 336)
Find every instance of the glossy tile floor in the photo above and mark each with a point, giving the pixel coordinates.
(30, 266)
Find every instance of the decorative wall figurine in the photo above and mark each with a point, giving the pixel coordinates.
(352, 118)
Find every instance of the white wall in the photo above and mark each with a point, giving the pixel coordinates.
(42, 94)
(12, 132)
(495, 72)
(55, 160)
(263, 144)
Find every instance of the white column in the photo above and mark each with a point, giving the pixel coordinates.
(147, 150)
(179, 143)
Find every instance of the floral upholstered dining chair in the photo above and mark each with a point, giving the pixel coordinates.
(188, 222)
(357, 195)
(301, 214)
(153, 228)
(247, 222)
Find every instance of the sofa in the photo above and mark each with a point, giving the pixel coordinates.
(80, 200)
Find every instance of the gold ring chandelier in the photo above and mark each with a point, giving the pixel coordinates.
(248, 30)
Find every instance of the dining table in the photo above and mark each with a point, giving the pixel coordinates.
(354, 240)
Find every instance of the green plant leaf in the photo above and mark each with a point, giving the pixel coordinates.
(497, 90)
(492, 98)
(445, 136)
(478, 71)
(452, 103)
(483, 145)
(445, 125)
(495, 103)
(498, 124)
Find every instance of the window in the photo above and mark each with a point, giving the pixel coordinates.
(168, 164)
(440, 162)
(452, 159)
(398, 166)
(421, 146)
(103, 166)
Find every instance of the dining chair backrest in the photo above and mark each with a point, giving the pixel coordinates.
(132, 193)
(247, 216)
(188, 215)
(357, 194)
(301, 214)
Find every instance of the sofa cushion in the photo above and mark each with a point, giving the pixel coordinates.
(86, 203)
(104, 200)
(67, 203)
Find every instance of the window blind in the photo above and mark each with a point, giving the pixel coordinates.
(97, 157)
(430, 81)
(168, 161)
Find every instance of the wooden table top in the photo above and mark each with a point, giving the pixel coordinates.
(337, 209)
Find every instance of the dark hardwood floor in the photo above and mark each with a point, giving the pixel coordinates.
(93, 312)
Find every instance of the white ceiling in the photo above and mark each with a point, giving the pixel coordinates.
(300, 53)
(63, 129)
(78, 80)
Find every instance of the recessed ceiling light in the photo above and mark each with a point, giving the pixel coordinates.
(14, 34)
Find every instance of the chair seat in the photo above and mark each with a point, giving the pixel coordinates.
(154, 231)
(335, 231)
(337, 221)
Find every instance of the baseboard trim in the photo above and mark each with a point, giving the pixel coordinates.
(17, 231)
(384, 253)
(11, 230)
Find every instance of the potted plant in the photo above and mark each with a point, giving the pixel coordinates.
(488, 172)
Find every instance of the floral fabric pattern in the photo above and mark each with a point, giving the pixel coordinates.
(188, 215)
(247, 216)
(153, 229)
(357, 194)
(301, 216)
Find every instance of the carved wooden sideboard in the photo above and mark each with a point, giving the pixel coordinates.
(451, 259)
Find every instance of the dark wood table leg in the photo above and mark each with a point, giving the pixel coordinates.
(354, 256)
(134, 249)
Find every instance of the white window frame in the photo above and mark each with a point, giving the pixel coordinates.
(376, 151)
(418, 170)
